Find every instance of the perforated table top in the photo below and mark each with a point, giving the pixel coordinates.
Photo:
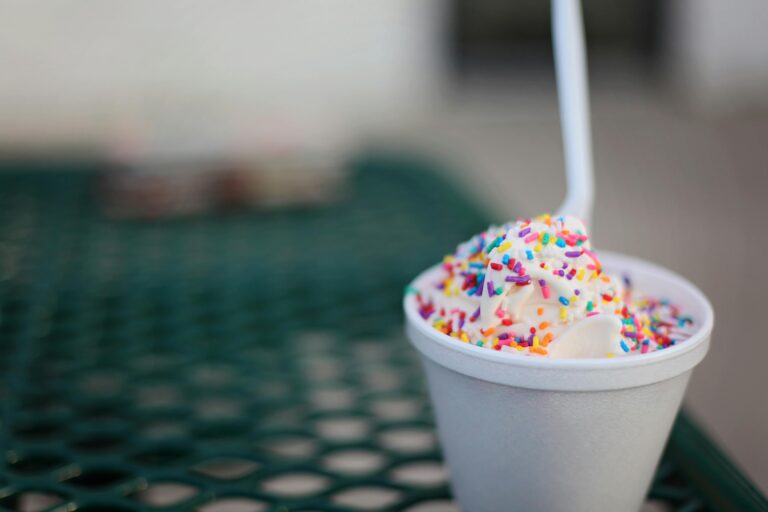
(252, 361)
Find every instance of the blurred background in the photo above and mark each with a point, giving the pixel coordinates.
(193, 106)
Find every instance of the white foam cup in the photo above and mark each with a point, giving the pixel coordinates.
(526, 433)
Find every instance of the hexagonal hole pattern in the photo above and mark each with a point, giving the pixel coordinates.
(102, 383)
(353, 462)
(395, 408)
(288, 446)
(158, 395)
(39, 430)
(295, 484)
(35, 463)
(161, 455)
(233, 504)
(213, 375)
(323, 369)
(408, 439)
(434, 506)
(420, 474)
(226, 468)
(213, 408)
(98, 478)
(165, 494)
(366, 498)
(339, 398)
(31, 501)
(342, 428)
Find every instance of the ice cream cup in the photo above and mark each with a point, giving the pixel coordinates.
(522, 433)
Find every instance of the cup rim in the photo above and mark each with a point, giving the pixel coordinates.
(610, 260)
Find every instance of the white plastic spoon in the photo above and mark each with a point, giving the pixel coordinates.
(571, 73)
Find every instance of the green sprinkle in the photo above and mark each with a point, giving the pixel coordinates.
(545, 239)
(480, 343)
(493, 244)
(590, 306)
(410, 290)
(499, 290)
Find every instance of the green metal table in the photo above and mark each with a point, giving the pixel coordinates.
(253, 361)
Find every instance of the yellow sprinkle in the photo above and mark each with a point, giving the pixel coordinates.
(573, 299)
(464, 337)
(563, 312)
(503, 247)
(537, 248)
(594, 275)
(495, 342)
(616, 299)
(448, 259)
(610, 354)
(536, 341)
(519, 348)
(580, 274)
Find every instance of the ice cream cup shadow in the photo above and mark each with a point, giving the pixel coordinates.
(535, 433)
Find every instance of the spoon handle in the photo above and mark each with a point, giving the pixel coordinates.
(572, 87)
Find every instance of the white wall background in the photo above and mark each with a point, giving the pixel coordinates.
(86, 71)
(718, 53)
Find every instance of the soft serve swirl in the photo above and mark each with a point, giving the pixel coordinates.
(534, 286)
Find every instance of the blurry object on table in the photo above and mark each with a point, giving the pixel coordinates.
(178, 188)
(163, 178)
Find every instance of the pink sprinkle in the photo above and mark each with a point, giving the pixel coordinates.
(500, 312)
(644, 348)
(593, 313)
(530, 238)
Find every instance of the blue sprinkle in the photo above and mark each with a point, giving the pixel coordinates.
(477, 265)
(624, 346)
(564, 301)
(505, 259)
(529, 254)
(472, 291)
(560, 242)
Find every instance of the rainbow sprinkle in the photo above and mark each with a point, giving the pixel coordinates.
(481, 294)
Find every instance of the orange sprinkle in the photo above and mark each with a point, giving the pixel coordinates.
(547, 339)
(540, 311)
(539, 350)
(543, 325)
(488, 331)
(605, 279)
